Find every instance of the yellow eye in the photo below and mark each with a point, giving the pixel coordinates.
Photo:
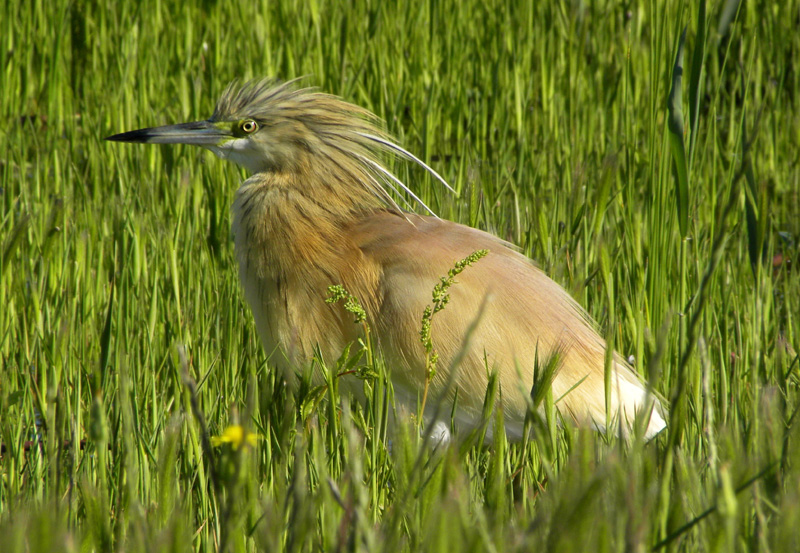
(249, 126)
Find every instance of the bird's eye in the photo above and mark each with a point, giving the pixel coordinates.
(249, 126)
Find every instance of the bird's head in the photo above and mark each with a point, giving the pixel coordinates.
(257, 126)
(267, 126)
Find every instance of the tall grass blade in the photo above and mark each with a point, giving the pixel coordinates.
(755, 202)
(695, 79)
(677, 146)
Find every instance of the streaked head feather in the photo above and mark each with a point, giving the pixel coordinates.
(304, 130)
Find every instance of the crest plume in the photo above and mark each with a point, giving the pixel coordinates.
(336, 133)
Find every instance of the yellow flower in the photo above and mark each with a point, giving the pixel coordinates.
(236, 436)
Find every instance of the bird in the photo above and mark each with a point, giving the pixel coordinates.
(317, 210)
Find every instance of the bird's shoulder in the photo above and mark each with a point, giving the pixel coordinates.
(388, 236)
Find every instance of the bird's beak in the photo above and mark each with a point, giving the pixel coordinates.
(196, 133)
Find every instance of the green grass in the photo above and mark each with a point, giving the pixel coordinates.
(122, 325)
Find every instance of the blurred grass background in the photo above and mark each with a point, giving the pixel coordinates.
(121, 318)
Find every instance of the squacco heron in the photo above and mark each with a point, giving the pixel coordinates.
(315, 211)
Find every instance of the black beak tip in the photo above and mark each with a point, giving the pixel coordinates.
(130, 136)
